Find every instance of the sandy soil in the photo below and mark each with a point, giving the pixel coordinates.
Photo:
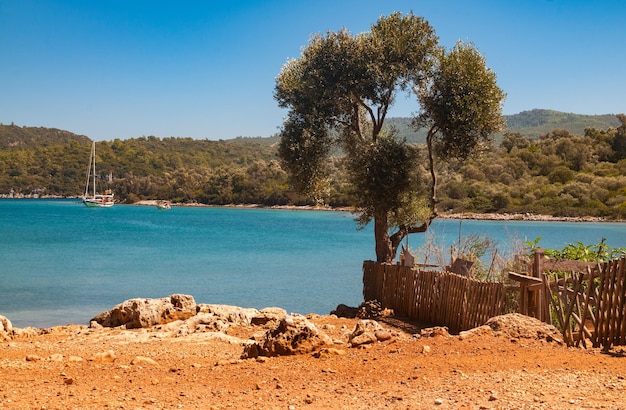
(75, 367)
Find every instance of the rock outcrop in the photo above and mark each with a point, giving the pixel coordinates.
(138, 313)
(293, 334)
(215, 318)
(230, 314)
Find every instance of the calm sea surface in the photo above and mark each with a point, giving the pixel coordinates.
(61, 262)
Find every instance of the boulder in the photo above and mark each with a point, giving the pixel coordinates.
(293, 334)
(138, 313)
(345, 311)
(368, 331)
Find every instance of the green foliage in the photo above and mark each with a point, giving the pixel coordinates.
(339, 93)
(383, 175)
(462, 104)
(522, 175)
(600, 252)
(304, 148)
(559, 174)
(619, 139)
(346, 83)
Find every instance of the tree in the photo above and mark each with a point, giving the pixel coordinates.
(514, 140)
(619, 141)
(461, 108)
(338, 94)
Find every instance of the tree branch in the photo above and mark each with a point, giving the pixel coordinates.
(403, 231)
(433, 175)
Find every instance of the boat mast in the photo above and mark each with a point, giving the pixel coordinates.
(93, 153)
(88, 181)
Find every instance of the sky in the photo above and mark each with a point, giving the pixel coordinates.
(206, 69)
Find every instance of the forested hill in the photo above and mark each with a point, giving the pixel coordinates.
(535, 123)
(567, 171)
(531, 124)
(45, 161)
(32, 137)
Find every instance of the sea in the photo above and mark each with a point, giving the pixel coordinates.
(62, 263)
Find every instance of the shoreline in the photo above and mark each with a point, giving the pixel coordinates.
(460, 216)
(491, 216)
(525, 217)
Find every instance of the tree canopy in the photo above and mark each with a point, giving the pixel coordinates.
(339, 93)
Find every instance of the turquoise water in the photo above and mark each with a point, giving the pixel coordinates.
(61, 262)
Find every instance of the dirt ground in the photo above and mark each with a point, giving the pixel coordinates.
(75, 367)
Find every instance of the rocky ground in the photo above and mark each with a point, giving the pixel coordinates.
(222, 359)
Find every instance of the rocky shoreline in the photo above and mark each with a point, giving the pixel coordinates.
(181, 315)
(523, 217)
(476, 216)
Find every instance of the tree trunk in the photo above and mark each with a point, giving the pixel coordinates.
(384, 247)
(433, 174)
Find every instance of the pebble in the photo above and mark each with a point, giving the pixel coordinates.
(57, 357)
(142, 360)
(108, 356)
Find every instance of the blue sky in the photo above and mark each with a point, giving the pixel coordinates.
(206, 69)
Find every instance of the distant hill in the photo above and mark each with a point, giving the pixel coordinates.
(13, 135)
(533, 123)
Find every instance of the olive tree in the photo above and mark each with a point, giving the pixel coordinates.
(461, 108)
(338, 94)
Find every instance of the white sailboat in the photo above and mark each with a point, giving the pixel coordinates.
(95, 200)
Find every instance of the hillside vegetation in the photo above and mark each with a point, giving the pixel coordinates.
(533, 124)
(562, 172)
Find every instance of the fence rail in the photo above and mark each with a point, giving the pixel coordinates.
(437, 297)
(586, 300)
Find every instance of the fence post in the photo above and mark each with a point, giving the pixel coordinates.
(532, 299)
(538, 262)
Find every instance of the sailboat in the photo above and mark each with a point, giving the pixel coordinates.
(95, 200)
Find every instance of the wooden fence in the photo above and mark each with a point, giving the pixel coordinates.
(586, 300)
(442, 298)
